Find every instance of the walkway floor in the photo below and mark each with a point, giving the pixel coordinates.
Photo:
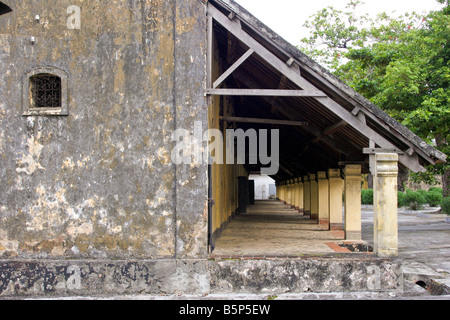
(271, 228)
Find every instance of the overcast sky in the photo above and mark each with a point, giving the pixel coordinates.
(286, 17)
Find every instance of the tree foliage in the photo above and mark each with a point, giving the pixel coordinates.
(401, 64)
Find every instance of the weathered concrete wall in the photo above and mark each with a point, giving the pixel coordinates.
(276, 276)
(306, 275)
(100, 182)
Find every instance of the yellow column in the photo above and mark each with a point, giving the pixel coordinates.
(322, 201)
(307, 196)
(385, 205)
(285, 192)
(288, 198)
(300, 195)
(335, 198)
(292, 193)
(352, 203)
(314, 196)
(295, 193)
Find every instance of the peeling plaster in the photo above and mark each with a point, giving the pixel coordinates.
(100, 183)
(29, 163)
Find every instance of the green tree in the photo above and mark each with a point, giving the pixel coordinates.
(401, 64)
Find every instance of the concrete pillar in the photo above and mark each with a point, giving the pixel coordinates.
(322, 201)
(307, 196)
(285, 192)
(335, 198)
(314, 196)
(385, 205)
(291, 193)
(295, 199)
(300, 196)
(288, 196)
(352, 202)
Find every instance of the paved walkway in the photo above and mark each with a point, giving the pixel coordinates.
(270, 228)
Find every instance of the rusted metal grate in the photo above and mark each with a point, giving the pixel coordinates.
(45, 91)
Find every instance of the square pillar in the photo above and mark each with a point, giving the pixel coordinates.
(352, 202)
(300, 196)
(288, 196)
(306, 196)
(385, 205)
(285, 192)
(294, 193)
(314, 196)
(335, 198)
(322, 201)
(291, 192)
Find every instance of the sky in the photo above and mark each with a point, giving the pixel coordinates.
(286, 17)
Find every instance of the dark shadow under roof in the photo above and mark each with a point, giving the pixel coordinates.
(327, 139)
(4, 8)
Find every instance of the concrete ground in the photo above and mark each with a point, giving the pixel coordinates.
(424, 246)
(272, 229)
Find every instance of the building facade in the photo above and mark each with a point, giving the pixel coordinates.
(91, 92)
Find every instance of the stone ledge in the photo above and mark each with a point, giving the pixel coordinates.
(59, 278)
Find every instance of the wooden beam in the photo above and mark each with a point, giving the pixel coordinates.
(381, 150)
(295, 77)
(265, 92)
(237, 31)
(264, 121)
(334, 128)
(232, 44)
(209, 52)
(231, 69)
(344, 163)
(290, 61)
(285, 170)
(282, 109)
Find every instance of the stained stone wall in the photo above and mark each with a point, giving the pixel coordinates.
(200, 277)
(99, 183)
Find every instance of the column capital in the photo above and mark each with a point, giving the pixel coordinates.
(321, 175)
(334, 173)
(386, 164)
(352, 170)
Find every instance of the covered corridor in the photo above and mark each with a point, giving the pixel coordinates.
(326, 137)
(271, 228)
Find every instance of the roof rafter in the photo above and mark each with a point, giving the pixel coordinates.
(292, 74)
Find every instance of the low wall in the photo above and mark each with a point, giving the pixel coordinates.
(47, 278)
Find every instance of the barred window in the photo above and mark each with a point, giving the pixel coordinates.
(45, 91)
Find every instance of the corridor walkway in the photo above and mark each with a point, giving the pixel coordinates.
(273, 229)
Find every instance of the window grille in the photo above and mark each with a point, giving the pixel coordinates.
(45, 91)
